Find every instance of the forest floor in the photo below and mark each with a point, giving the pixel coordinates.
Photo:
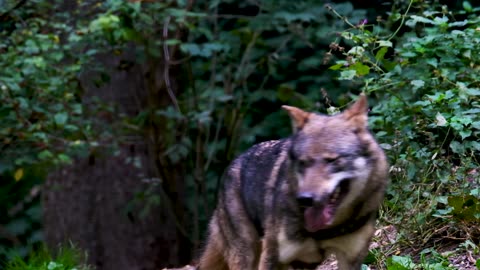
(384, 239)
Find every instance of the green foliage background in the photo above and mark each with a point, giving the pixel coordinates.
(240, 62)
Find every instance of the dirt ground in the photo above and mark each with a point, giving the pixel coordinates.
(386, 236)
(460, 262)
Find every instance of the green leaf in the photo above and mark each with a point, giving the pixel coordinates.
(384, 43)
(45, 155)
(171, 42)
(192, 49)
(458, 24)
(347, 75)
(432, 61)
(347, 35)
(104, 22)
(417, 84)
(474, 145)
(440, 20)
(64, 158)
(414, 19)
(467, 6)
(400, 263)
(465, 133)
(31, 47)
(457, 147)
(473, 91)
(473, 111)
(61, 118)
(465, 207)
(379, 56)
(338, 66)
(360, 69)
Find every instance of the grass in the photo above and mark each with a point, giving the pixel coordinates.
(68, 258)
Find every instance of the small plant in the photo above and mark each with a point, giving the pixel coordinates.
(406, 263)
(68, 258)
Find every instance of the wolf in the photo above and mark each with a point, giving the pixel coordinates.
(290, 203)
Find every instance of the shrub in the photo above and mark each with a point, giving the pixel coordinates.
(427, 118)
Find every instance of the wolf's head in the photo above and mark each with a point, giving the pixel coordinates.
(333, 158)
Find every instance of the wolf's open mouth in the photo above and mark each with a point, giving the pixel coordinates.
(321, 216)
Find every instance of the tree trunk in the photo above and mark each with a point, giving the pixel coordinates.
(94, 202)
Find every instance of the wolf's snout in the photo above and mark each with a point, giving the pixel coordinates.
(305, 199)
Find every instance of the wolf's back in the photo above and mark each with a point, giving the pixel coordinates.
(249, 174)
(240, 214)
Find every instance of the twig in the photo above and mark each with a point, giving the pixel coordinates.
(403, 20)
(166, 73)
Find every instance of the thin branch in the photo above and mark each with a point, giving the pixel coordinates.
(166, 71)
(402, 22)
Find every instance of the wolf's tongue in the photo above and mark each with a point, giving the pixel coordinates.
(317, 218)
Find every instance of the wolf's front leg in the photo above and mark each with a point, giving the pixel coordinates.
(243, 253)
(352, 259)
(269, 256)
(345, 263)
(242, 260)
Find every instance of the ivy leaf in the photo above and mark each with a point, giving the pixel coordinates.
(464, 207)
(64, 158)
(433, 62)
(61, 118)
(458, 24)
(465, 133)
(476, 125)
(457, 147)
(473, 91)
(384, 43)
(417, 84)
(347, 75)
(414, 19)
(468, 8)
(400, 263)
(45, 155)
(440, 20)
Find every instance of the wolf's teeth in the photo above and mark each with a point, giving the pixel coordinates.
(335, 195)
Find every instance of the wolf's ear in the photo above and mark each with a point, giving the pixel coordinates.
(299, 117)
(357, 113)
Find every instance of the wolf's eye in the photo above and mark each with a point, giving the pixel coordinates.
(302, 164)
(332, 159)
